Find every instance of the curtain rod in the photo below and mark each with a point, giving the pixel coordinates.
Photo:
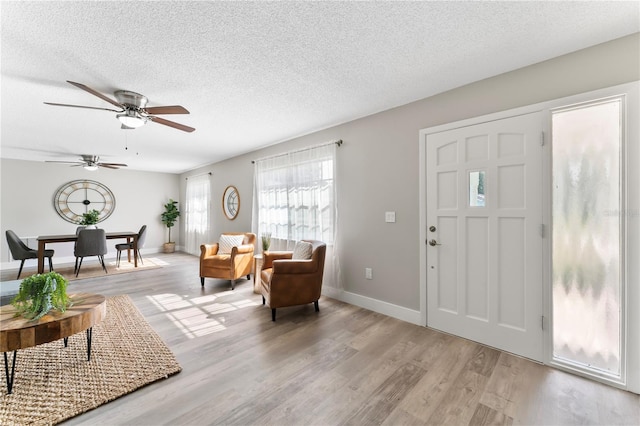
(338, 142)
(201, 174)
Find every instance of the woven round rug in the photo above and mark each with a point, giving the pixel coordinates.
(53, 383)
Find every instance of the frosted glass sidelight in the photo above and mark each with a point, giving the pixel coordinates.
(587, 236)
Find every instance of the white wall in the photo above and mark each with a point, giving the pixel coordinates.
(378, 167)
(26, 204)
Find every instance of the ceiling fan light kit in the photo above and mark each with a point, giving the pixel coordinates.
(133, 111)
(131, 119)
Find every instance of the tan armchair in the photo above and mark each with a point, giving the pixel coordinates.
(228, 266)
(289, 282)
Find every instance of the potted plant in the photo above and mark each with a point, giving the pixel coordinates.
(41, 293)
(169, 218)
(266, 241)
(90, 218)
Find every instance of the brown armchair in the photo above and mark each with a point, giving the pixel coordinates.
(287, 281)
(230, 266)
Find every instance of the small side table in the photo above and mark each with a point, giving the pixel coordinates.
(257, 267)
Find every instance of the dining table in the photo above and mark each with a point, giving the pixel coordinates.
(50, 239)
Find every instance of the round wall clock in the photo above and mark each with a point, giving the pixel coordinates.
(231, 202)
(74, 198)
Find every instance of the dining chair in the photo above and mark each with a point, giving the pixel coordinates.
(20, 251)
(91, 242)
(142, 235)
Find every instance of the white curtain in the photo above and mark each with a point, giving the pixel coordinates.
(295, 199)
(196, 216)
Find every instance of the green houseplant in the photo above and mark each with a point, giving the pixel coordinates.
(91, 217)
(266, 241)
(169, 218)
(41, 293)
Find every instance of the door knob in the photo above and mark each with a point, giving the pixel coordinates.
(434, 243)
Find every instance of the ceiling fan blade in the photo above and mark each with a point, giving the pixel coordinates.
(81, 106)
(112, 165)
(106, 166)
(95, 93)
(171, 124)
(173, 109)
(65, 162)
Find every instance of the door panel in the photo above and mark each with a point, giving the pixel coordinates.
(477, 279)
(484, 267)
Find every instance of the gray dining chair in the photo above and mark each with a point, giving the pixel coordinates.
(91, 242)
(142, 235)
(20, 251)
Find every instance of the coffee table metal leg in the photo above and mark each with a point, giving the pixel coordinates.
(89, 334)
(13, 370)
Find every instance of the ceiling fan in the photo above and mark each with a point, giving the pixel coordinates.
(133, 110)
(91, 163)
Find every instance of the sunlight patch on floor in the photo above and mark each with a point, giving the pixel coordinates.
(198, 316)
(158, 261)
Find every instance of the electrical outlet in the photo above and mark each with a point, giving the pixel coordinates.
(368, 273)
(390, 217)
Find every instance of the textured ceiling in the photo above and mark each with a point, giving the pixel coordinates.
(256, 73)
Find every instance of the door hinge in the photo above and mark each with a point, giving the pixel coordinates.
(542, 230)
(541, 138)
(542, 322)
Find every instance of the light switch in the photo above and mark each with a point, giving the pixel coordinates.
(390, 217)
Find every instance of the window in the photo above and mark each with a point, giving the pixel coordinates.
(197, 212)
(476, 189)
(587, 236)
(295, 196)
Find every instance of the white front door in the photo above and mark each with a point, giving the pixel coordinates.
(484, 228)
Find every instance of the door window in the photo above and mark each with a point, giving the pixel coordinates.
(587, 250)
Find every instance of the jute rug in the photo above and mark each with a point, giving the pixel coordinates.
(92, 269)
(53, 383)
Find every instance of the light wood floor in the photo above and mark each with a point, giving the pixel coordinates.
(343, 365)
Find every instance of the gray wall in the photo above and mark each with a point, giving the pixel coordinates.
(378, 164)
(26, 203)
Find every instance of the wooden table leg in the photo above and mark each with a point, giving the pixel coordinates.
(41, 245)
(128, 251)
(135, 251)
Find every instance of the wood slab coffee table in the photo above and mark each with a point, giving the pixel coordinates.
(20, 333)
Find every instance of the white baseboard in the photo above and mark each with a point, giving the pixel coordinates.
(385, 308)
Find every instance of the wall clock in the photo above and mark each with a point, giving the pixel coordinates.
(74, 198)
(231, 202)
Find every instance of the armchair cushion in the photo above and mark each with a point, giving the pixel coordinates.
(228, 242)
(302, 250)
